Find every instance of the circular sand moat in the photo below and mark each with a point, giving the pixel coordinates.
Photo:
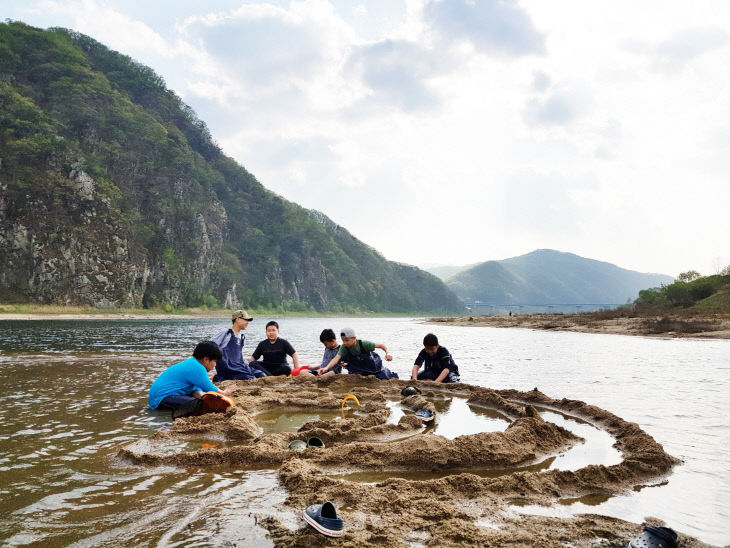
(397, 481)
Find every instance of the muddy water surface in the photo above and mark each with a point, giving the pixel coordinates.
(74, 392)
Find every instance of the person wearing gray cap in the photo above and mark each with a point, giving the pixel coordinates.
(360, 357)
(231, 366)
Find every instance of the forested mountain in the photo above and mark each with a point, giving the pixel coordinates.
(112, 192)
(546, 276)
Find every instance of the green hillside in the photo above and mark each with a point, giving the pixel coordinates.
(546, 276)
(704, 292)
(113, 193)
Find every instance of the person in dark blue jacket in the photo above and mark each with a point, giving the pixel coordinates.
(438, 364)
(231, 365)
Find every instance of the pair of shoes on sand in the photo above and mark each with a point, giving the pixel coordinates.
(301, 445)
(323, 517)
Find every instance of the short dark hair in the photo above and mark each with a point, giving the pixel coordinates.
(327, 335)
(207, 349)
(272, 322)
(430, 340)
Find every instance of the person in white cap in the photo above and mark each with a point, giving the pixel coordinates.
(360, 357)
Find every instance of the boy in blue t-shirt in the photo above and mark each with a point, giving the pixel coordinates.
(180, 387)
(439, 365)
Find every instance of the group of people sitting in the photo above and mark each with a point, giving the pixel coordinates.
(180, 387)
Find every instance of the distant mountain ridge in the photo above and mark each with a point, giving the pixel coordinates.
(444, 272)
(546, 276)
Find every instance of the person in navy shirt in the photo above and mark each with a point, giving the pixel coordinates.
(438, 364)
(180, 387)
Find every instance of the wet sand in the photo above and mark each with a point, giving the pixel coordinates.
(671, 325)
(449, 510)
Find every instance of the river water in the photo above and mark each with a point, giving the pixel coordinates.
(73, 392)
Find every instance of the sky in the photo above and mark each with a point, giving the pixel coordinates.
(451, 132)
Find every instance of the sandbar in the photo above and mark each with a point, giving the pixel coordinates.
(455, 508)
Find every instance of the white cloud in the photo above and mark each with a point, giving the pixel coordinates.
(473, 129)
(114, 29)
(541, 81)
(682, 47)
(561, 107)
(490, 25)
(397, 73)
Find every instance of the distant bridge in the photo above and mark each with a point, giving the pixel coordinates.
(485, 309)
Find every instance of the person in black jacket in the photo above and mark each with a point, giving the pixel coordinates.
(438, 364)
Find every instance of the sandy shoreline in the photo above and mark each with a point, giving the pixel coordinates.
(671, 325)
(457, 509)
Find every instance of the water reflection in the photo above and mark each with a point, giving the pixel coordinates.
(293, 419)
(455, 417)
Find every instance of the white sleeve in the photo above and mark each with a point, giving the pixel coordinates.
(220, 338)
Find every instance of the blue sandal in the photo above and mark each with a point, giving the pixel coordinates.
(323, 517)
(425, 415)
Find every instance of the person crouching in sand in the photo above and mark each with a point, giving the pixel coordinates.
(360, 357)
(180, 387)
(439, 365)
(331, 347)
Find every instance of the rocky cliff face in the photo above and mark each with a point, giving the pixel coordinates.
(78, 251)
(113, 193)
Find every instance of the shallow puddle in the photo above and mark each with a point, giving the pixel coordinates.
(455, 417)
(593, 499)
(293, 420)
(421, 475)
(597, 449)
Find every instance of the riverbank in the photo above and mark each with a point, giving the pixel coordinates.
(57, 312)
(674, 324)
(42, 312)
